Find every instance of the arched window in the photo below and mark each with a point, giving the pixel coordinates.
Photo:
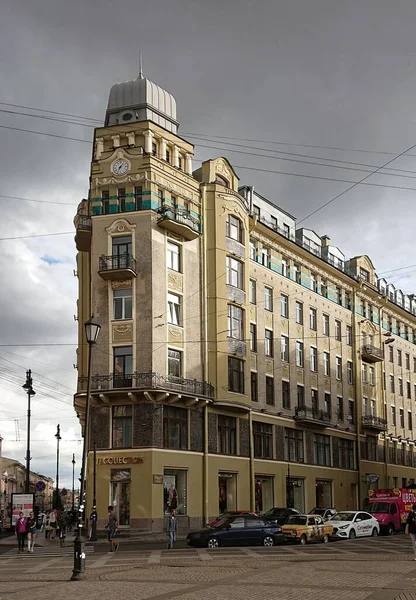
(221, 180)
(234, 228)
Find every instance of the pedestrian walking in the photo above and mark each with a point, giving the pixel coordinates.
(411, 528)
(52, 524)
(112, 527)
(20, 529)
(31, 532)
(172, 529)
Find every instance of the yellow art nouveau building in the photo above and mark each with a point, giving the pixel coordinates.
(242, 362)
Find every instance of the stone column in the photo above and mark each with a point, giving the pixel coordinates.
(116, 141)
(162, 149)
(188, 164)
(175, 157)
(99, 147)
(131, 138)
(148, 141)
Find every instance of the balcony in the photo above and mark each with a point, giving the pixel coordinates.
(117, 267)
(148, 382)
(374, 423)
(312, 416)
(371, 354)
(179, 220)
(83, 226)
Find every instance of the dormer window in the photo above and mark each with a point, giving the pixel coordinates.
(364, 275)
(221, 180)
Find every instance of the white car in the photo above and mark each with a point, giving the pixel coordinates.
(353, 524)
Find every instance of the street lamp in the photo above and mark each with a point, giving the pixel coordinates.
(58, 439)
(73, 484)
(94, 515)
(92, 331)
(30, 392)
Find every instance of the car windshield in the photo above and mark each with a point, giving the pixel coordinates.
(318, 511)
(296, 520)
(222, 522)
(343, 516)
(274, 512)
(379, 507)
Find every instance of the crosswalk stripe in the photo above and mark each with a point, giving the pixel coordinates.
(41, 566)
(154, 557)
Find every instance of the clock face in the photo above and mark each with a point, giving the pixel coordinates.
(120, 166)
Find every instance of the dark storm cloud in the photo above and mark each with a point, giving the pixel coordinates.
(307, 71)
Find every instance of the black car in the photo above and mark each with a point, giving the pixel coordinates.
(280, 515)
(237, 531)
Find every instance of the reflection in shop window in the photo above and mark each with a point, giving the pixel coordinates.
(120, 494)
(295, 493)
(264, 493)
(122, 426)
(175, 491)
(227, 492)
(323, 493)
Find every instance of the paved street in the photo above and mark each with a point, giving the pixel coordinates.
(373, 569)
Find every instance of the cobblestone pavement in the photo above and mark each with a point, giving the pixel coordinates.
(371, 569)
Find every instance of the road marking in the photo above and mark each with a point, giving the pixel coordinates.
(100, 562)
(43, 565)
(203, 554)
(249, 552)
(154, 558)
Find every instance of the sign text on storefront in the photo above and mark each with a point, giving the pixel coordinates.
(119, 460)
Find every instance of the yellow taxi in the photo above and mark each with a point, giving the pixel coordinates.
(307, 528)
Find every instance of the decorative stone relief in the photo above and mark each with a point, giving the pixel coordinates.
(175, 335)
(268, 318)
(123, 333)
(253, 361)
(285, 371)
(171, 187)
(235, 247)
(326, 343)
(299, 330)
(253, 314)
(351, 391)
(285, 325)
(235, 209)
(120, 226)
(115, 285)
(234, 197)
(269, 366)
(299, 374)
(339, 388)
(106, 181)
(175, 282)
(314, 380)
(327, 383)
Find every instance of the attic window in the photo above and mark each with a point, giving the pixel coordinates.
(221, 180)
(364, 275)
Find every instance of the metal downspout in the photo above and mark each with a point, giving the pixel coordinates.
(204, 334)
(357, 385)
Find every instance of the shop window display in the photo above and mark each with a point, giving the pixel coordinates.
(175, 491)
(120, 494)
(264, 493)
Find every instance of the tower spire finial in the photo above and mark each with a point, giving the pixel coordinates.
(140, 66)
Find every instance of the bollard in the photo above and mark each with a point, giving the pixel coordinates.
(79, 557)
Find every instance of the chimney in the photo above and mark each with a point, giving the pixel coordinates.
(325, 240)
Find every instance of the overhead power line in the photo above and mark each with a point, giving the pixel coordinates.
(36, 235)
(36, 200)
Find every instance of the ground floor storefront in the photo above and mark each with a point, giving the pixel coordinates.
(144, 485)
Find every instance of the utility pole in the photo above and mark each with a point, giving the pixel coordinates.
(30, 392)
(73, 483)
(58, 439)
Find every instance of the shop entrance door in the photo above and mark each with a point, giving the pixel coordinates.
(323, 494)
(120, 495)
(227, 492)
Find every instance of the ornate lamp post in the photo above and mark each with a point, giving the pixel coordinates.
(58, 439)
(30, 392)
(73, 483)
(92, 331)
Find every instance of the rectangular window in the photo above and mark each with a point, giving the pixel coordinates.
(234, 228)
(364, 274)
(286, 230)
(338, 368)
(268, 342)
(399, 358)
(265, 257)
(392, 384)
(338, 292)
(407, 357)
(122, 426)
(174, 309)
(371, 447)
(364, 373)
(314, 400)
(414, 359)
(160, 197)
(299, 312)
(327, 364)
(340, 408)
(350, 372)
(273, 222)
(285, 268)
(301, 396)
(324, 288)
(297, 272)
(121, 251)
(167, 156)
(348, 335)
(409, 420)
(268, 298)
(121, 195)
(351, 411)
(338, 334)
(400, 386)
(263, 440)
(312, 319)
(284, 348)
(326, 324)
(254, 387)
(348, 303)
(286, 394)
(174, 363)
(235, 375)
(252, 291)
(372, 376)
(122, 366)
(284, 306)
(253, 337)
(299, 354)
(138, 197)
(365, 405)
(393, 416)
(391, 354)
(175, 428)
(372, 408)
(235, 273)
(346, 454)
(294, 445)
(409, 390)
(256, 210)
(269, 390)
(105, 200)
(401, 414)
(327, 404)
(314, 358)
(252, 251)
(235, 322)
(154, 149)
(122, 304)
(173, 257)
(322, 450)
(227, 435)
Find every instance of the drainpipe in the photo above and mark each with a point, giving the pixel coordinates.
(252, 474)
(204, 335)
(358, 391)
(383, 399)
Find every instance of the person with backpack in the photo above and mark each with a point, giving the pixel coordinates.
(411, 528)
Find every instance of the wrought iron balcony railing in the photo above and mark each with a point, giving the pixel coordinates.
(371, 353)
(150, 381)
(374, 422)
(84, 223)
(306, 413)
(117, 262)
(180, 215)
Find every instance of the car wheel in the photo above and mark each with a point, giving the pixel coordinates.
(303, 539)
(213, 542)
(268, 541)
(390, 530)
(325, 539)
(374, 533)
(352, 535)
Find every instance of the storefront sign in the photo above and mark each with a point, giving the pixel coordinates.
(120, 460)
(22, 503)
(158, 479)
(226, 475)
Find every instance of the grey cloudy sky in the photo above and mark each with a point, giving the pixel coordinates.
(314, 72)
